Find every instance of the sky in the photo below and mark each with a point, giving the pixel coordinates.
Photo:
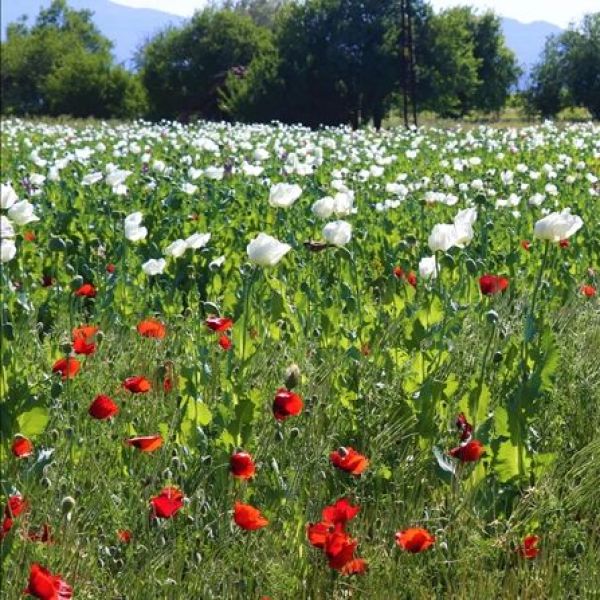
(558, 12)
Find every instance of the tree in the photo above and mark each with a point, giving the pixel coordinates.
(568, 73)
(184, 69)
(63, 65)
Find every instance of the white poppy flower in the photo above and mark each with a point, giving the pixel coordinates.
(197, 240)
(22, 213)
(558, 226)
(8, 250)
(266, 251)
(338, 233)
(8, 196)
(176, 248)
(154, 266)
(283, 195)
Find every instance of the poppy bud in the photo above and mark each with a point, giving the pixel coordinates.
(67, 505)
(497, 357)
(57, 244)
(292, 376)
(491, 316)
(76, 282)
(45, 482)
(65, 348)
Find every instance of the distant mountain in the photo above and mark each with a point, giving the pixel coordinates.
(129, 27)
(527, 40)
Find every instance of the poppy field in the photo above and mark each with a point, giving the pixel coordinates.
(250, 361)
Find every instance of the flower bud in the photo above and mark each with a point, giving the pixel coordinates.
(292, 376)
(67, 505)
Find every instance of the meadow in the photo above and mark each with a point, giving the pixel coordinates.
(271, 362)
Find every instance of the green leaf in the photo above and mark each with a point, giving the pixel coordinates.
(33, 422)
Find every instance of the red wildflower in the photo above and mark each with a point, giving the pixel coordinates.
(152, 329)
(21, 447)
(146, 443)
(103, 408)
(492, 284)
(340, 512)
(45, 586)
(357, 566)
(414, 539)
(410, 278)
(7, 524)
(339, 549)
(317, 533)
(47, 281)
(29, 236)
(225, 342)
(472, 451)
(588, 291)
(465, 428)
(137, 384)
(286, 404)
(529, 549)
(219, 324)
(124, 536)
(15, 506)
(349, 460)
(83, 339)
(564, 243)
(168, 503)
(67, 367)
(241, 465)
(110, 268)
(87, 290)
(526, 245)
(167, 385)
(247, 517)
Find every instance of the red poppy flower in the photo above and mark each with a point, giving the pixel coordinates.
(29, 236)
(564, 243)
(110, 268)
(15, 506)
(241, 465)
(357, 566)
(167, 385)
(7, 524)
(21, 447)
(247, 517)
(87, 290)
(588, 290)
(103, 408)
(168, 503)
(340, 549)
(86, 332)
(340, 512)
(286, 404)
(472, 451)
(410, 278)
(529, 549)
(492, 284)
(146, 443)
(218, 323)
(465, 428)
(152, 329)
(45, 586)
(414, 539)
(43, 535)
(124, 536)
(225, 342)
(137, 384)
(317, 533)
(349, 460)
(67, 367)
(526, 245)
(81, 346)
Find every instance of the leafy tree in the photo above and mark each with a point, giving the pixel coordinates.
(568, 73)
(184, 69)
(62, 65)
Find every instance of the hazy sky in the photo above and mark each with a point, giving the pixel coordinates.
(559, 12)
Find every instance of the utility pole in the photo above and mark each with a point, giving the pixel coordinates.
(412, 61)
(404, 54)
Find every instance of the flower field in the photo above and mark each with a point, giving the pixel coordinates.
(269, 362)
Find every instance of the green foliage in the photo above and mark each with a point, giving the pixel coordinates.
(567, 74)
(184, 70)
(63, 65)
